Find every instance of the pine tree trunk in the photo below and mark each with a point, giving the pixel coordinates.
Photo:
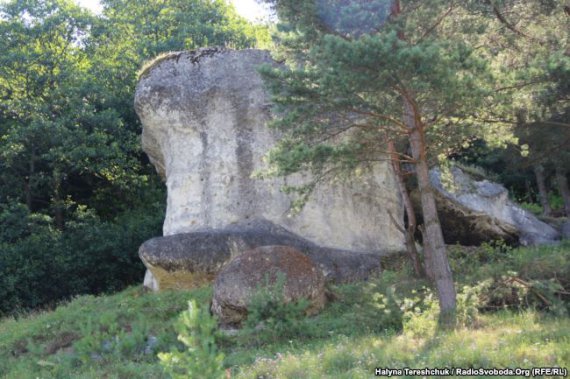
(435, 255)
(562, 181)
(410, 231)
(542, 191)
(437, 265)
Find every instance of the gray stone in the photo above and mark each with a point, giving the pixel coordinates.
(188, 260)
(149, 281)
(204, 116)
(565, 230)
(246, 274)
(472, 212)
(150, 346)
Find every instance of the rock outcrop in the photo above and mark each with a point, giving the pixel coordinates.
(246, 274)
(187, 260)
(204, 115)
(472, 212)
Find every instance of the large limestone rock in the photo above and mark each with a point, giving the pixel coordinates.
(204, 115)
(241, 278)
(472, 212)
(187, 260)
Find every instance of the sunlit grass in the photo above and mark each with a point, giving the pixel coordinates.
(505, 339)
(108, 336)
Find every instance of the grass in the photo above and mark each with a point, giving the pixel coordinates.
(151, 63)
(505, 339)
(94, 337)
(388, 322)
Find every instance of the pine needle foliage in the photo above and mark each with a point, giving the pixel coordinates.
(201, 359)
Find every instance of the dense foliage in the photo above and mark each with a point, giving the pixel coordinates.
(77, 195)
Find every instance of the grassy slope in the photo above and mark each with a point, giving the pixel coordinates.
(106, 337)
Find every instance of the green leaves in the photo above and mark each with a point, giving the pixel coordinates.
(68, 130)
(344, 79)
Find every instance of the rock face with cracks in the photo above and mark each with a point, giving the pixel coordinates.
(474, 211)
(204, 116)
(244, 275)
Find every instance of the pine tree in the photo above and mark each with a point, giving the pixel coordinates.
(362, 78)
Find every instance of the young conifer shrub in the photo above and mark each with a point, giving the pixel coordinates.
(197, 331)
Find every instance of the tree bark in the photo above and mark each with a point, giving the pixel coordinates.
(435, 255)
(542, 191)
(410, 231)
(437, 264)
(562, 181)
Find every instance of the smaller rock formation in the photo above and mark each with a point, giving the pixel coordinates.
(472, 212)
(239, 280)
(190, 259)
(186, 260)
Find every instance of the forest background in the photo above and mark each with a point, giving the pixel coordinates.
(77, 194)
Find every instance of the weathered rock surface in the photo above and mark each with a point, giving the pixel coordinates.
(204, 115)
(190, 259)
(244, 275)
(472, 212)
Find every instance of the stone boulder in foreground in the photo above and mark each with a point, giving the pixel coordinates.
(244, 275)
(204, 116)
(475, 211)
(187, 260)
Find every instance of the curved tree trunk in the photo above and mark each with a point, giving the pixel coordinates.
(437, 264)
(435, 255)
(542, 191)
(410, 230)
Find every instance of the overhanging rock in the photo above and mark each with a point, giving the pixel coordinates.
(188, 260)
(475, 211)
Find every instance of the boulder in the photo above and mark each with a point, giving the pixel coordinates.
(187, 260)
(239, 280)
(204, 116)
(474, 211)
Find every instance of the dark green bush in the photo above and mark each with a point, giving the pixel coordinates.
(40, 265)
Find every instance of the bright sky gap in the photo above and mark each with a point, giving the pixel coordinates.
(249, 9)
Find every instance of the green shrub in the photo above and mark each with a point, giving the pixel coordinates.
(41, 265)
(270, 318)
(556, 201)
(533, 208)
(531, 277)
(197, 331)
(420, 314)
